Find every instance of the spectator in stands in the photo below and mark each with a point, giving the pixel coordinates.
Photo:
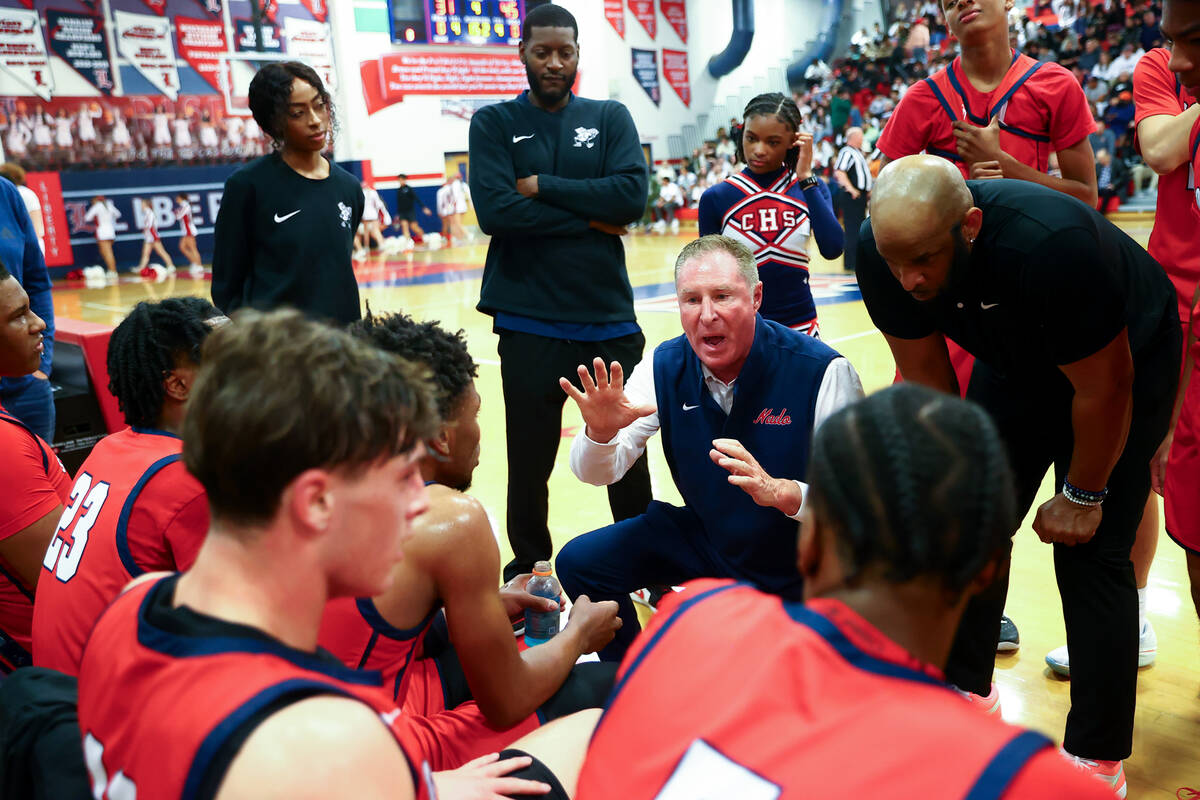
(725, 146)
(670, 200)
(1090, 55)
(1119, 114)
(1103, 69)
(1112, 180)
(1103, 138)
(1096, 91)
(1127, 60)
(1150, 36)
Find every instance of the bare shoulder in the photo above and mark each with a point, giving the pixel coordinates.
(453, 518)
(343, 744)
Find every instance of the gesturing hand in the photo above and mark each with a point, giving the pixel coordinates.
(746, 473)
(1059, 521)
(978, 144)
(484, 779)
(804, 161)
(603, 404)
(986, 170)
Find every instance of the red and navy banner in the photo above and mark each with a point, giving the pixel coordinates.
(645, 72)
(48, 188)
(28, 4)
(211, 6)
(244, 37)
(318, 8)
(78, 39)
(614, 12)
(643, 10)
(201, 42)
(157, 6)
(675, 70)
(675, 12)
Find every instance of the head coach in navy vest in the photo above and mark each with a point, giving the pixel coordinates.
(737, 399)
(1076, 336)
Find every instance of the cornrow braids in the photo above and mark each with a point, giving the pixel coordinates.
(427, 344)
(784, 109)
(914, 483)
(147, 345)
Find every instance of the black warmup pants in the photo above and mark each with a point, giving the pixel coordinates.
(1095, 579)
(854, 211)
(530, 367)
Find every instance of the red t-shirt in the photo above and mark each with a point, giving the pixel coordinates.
(1175, 239)
(134, 509)
(1047, 113)
(800, 701)
(33, 483)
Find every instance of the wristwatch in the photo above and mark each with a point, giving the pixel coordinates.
(811, 180)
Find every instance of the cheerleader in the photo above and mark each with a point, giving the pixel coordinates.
(187, 242)
(150, 240)
(208, 134)
(121, 139)
(183, 135)
(43, 136)
(772, 205)
(20, 134)
(63, 139)
(162, 128)
(374, 213)
(104, 215)
(87, 128)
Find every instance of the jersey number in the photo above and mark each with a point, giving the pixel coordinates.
(119, 788)
(707, 774)
(62, 558)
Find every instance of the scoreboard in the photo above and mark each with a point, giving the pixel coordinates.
(469, 22)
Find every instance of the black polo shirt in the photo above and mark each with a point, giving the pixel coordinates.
(1050, 282)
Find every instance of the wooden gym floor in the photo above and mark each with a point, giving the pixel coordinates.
(444, 285)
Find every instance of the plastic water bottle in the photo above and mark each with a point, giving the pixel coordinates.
(541, 626)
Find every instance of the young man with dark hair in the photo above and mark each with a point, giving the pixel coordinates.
(840, 695)
(406, 211)
(494, 690)
(34, 485)
(134, 507)
(307, 442)
(555, 179)
(1076, 337)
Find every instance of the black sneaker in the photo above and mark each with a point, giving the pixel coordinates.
(1010, 639)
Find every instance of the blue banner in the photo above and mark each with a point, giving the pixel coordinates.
(645, 71)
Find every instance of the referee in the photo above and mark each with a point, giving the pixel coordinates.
(854, 176)
(1076, 336)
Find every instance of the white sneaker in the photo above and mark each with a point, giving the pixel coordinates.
(1059, 661)
(674, 226)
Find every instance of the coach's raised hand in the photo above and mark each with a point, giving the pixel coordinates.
(603, 404)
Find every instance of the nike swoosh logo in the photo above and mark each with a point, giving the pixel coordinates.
(523, 138)
(686, 407)
(986, 306)
(390, 716)
(286, 217)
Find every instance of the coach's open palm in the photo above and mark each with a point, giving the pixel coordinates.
(603, 404)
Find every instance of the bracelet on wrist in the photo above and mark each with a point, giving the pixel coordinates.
(1082, 497)
(811, 180)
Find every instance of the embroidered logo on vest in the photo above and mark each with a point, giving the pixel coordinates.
(765, 418)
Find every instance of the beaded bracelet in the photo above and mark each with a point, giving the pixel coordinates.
(1083, 497)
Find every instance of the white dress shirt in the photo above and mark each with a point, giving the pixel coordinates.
(604, 463)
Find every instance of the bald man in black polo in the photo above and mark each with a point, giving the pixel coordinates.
(1076, 336)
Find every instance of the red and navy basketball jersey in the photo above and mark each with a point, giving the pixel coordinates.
(1040, 107)
(33, 483)
(357, 634)
(771, 219)
(799, 700)
(167, 696)
(134, 509)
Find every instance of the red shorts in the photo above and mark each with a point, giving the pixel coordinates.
(1181, 490)
(451, 738)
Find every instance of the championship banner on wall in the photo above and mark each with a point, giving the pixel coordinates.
(614, 12)
(457, 74)
(317, 8)
(643, 10)
(200, 42)
(645, 71)
(211, 6)
(244, 38)
(48, 188)
(157, 6)
(675, 71)
(145, 42)
(23, 51)
(309, 41)
(675, 12)
(78, 39)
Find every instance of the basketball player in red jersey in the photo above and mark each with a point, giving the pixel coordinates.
(134, 508)
(452, 562)
(840, 695)
(33, 483)
(309, 501)
(996, 113)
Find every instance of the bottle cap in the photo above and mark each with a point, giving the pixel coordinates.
(541, 568)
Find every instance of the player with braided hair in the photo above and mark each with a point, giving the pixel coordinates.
(134, 507)
(481, 691)
(772, 205)
(908, 514)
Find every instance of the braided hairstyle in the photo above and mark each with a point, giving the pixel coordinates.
(147, 345)
(427, 344)
(772, 104)
(914, 483)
